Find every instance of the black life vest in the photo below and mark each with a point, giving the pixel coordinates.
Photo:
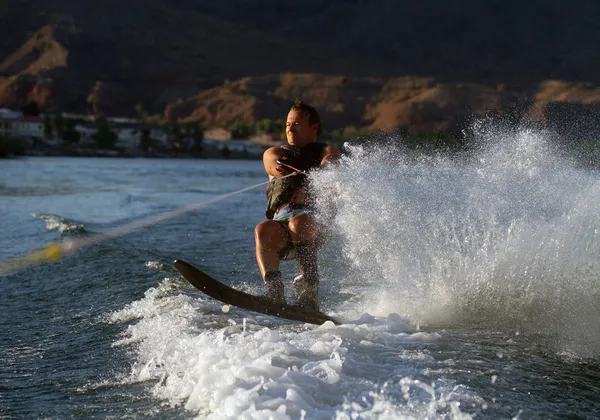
(281, 191)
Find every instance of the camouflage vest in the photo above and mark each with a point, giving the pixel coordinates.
(281, 191)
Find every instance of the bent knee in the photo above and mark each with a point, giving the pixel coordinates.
(268, 228)
(302, 222)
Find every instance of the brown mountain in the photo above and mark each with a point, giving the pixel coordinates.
(404, 63)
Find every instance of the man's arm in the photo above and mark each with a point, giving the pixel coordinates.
(331, 154)
(270, 157)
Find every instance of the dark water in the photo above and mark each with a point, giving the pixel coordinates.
(443, 318)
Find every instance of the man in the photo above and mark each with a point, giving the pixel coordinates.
(292, 230)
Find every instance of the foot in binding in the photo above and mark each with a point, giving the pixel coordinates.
(307, 293)
(275, 291)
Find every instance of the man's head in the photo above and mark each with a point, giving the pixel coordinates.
(303, 124)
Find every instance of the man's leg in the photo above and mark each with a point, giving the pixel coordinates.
(304, 228)
(271, 238)
(304, 231)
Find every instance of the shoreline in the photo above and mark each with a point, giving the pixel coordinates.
(116, 154)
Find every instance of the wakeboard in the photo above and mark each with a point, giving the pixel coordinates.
(231, 296)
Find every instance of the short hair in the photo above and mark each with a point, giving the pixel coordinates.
(309, 111)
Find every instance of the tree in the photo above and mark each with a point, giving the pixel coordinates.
(155, 119)
(11, 146)
(175, 130)
(193, 130)
(59, 126)
(104, 138)
(239, 129)
(147, 142)
(31, 109)
(145, 117)
(93, 98)
(267, 125)
(141, 112)
(279, 126)
(70, 135)
(48, 128)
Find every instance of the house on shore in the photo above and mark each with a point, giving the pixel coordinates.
(30, 130)
(217, 134)
(218, 143)
(28, 127)
(129, 133)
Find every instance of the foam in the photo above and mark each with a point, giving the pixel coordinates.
(64, 226)
(217, 366)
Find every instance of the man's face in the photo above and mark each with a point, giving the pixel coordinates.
(298, 130)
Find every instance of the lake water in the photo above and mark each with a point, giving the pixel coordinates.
(467, 289)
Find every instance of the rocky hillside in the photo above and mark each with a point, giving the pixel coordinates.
(417, 104)
(377, 63)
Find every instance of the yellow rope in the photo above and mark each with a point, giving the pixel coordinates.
(56, 251)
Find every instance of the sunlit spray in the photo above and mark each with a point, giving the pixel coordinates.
(505, 238)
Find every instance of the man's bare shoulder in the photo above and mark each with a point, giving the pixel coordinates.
(272, 153)
(273, 150)
(330, 154)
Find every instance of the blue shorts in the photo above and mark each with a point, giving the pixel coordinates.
(283, 216)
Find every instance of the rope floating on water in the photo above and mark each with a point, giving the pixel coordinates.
(56, 251)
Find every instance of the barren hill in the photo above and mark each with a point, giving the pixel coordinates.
(430, 62)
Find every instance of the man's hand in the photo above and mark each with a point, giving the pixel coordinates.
(274, 159)
(287, 166)
(283, 170)
(270, 159)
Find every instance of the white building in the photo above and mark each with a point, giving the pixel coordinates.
(217, 134)
(86, 134)
(238, 146)
(28, 127)
(130, 134)
(159, 135)
(7, 118)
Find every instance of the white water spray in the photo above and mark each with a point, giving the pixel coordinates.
(505, 239)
